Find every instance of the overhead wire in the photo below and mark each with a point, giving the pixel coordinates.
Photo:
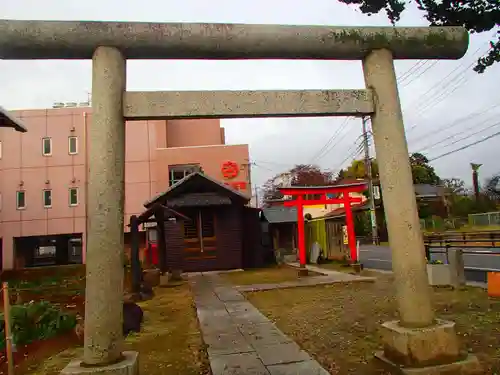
(324, 150)
(260, 166)
(454, 123)
(352, 154)
(438, 91)
(467, 146)
(443, 80)
(414, 68)
(420, 74)
(328, 146)
(469, 135)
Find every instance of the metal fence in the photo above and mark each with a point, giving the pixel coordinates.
(440, 224)
(485, 219)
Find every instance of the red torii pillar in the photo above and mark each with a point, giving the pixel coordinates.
(299, 191)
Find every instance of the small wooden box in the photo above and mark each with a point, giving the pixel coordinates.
(494, 284)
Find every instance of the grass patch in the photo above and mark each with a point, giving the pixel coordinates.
(169, 344)
(269, 275)
(338, 324)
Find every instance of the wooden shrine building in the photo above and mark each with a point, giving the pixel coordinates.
(214, 229)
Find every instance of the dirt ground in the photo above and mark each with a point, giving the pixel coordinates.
(169, 344)
(268, 275)
(338, 324)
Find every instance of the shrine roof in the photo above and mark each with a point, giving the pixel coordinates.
(8, 121)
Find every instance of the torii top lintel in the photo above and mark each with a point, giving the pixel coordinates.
(332, 189)
(25, 40)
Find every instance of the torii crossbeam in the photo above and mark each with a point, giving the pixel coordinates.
(344, 197)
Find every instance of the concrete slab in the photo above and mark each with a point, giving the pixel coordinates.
(235, 307)
(224, 343)
(248, 317)
(238, 364)
(128, 366)
(281, 353)
(217, 325)
(299, 368)
(207, 316)
(227, 294)
(264, 334)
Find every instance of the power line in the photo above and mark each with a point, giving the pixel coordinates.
(466, 146)
(460, 133)
(357, 151)
(429, 101)
(421, 73)
(424, 95)
(260, 166)
(414, 68)
(324, 150)
(455, 123)
(272, 163)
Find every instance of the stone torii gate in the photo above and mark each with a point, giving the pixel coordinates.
(110, 44)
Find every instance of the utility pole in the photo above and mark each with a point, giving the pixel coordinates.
(256, 196)
(368, 174)
(475, 179)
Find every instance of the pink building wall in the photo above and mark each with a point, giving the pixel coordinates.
(151, 147)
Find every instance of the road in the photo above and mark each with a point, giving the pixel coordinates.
(476, 265)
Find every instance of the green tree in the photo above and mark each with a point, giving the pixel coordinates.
(300, 175)
(476, 16)
(454, 186)
(492, 187)
(422, 171)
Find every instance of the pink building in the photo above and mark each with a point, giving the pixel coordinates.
(43, 177)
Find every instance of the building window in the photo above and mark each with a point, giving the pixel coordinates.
(75, 250)
(47, 146)
(73, 145)
(73, 197)
(178, 172)
(47, 198)
(21, 200)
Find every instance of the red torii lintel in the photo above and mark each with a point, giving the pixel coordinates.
(299, 202)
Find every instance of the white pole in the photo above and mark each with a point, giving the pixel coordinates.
(357, 251)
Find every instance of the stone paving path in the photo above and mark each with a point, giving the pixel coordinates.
(240, 339)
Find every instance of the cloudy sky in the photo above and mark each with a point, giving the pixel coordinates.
(446, 105)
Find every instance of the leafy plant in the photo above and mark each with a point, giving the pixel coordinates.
(477, 16)
(434, 262)
(36, 321)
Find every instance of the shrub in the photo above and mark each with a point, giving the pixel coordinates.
(36, 321)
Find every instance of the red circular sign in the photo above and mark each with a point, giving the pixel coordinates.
(230, 169)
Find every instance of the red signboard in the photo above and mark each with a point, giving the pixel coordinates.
(237, 185)
(230, 170)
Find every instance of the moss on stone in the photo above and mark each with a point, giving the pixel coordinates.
(373, 40)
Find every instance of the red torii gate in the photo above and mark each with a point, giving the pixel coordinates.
(300, 202)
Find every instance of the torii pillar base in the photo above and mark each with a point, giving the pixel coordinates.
(303, 271)
(432, 350)
(128, 365)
